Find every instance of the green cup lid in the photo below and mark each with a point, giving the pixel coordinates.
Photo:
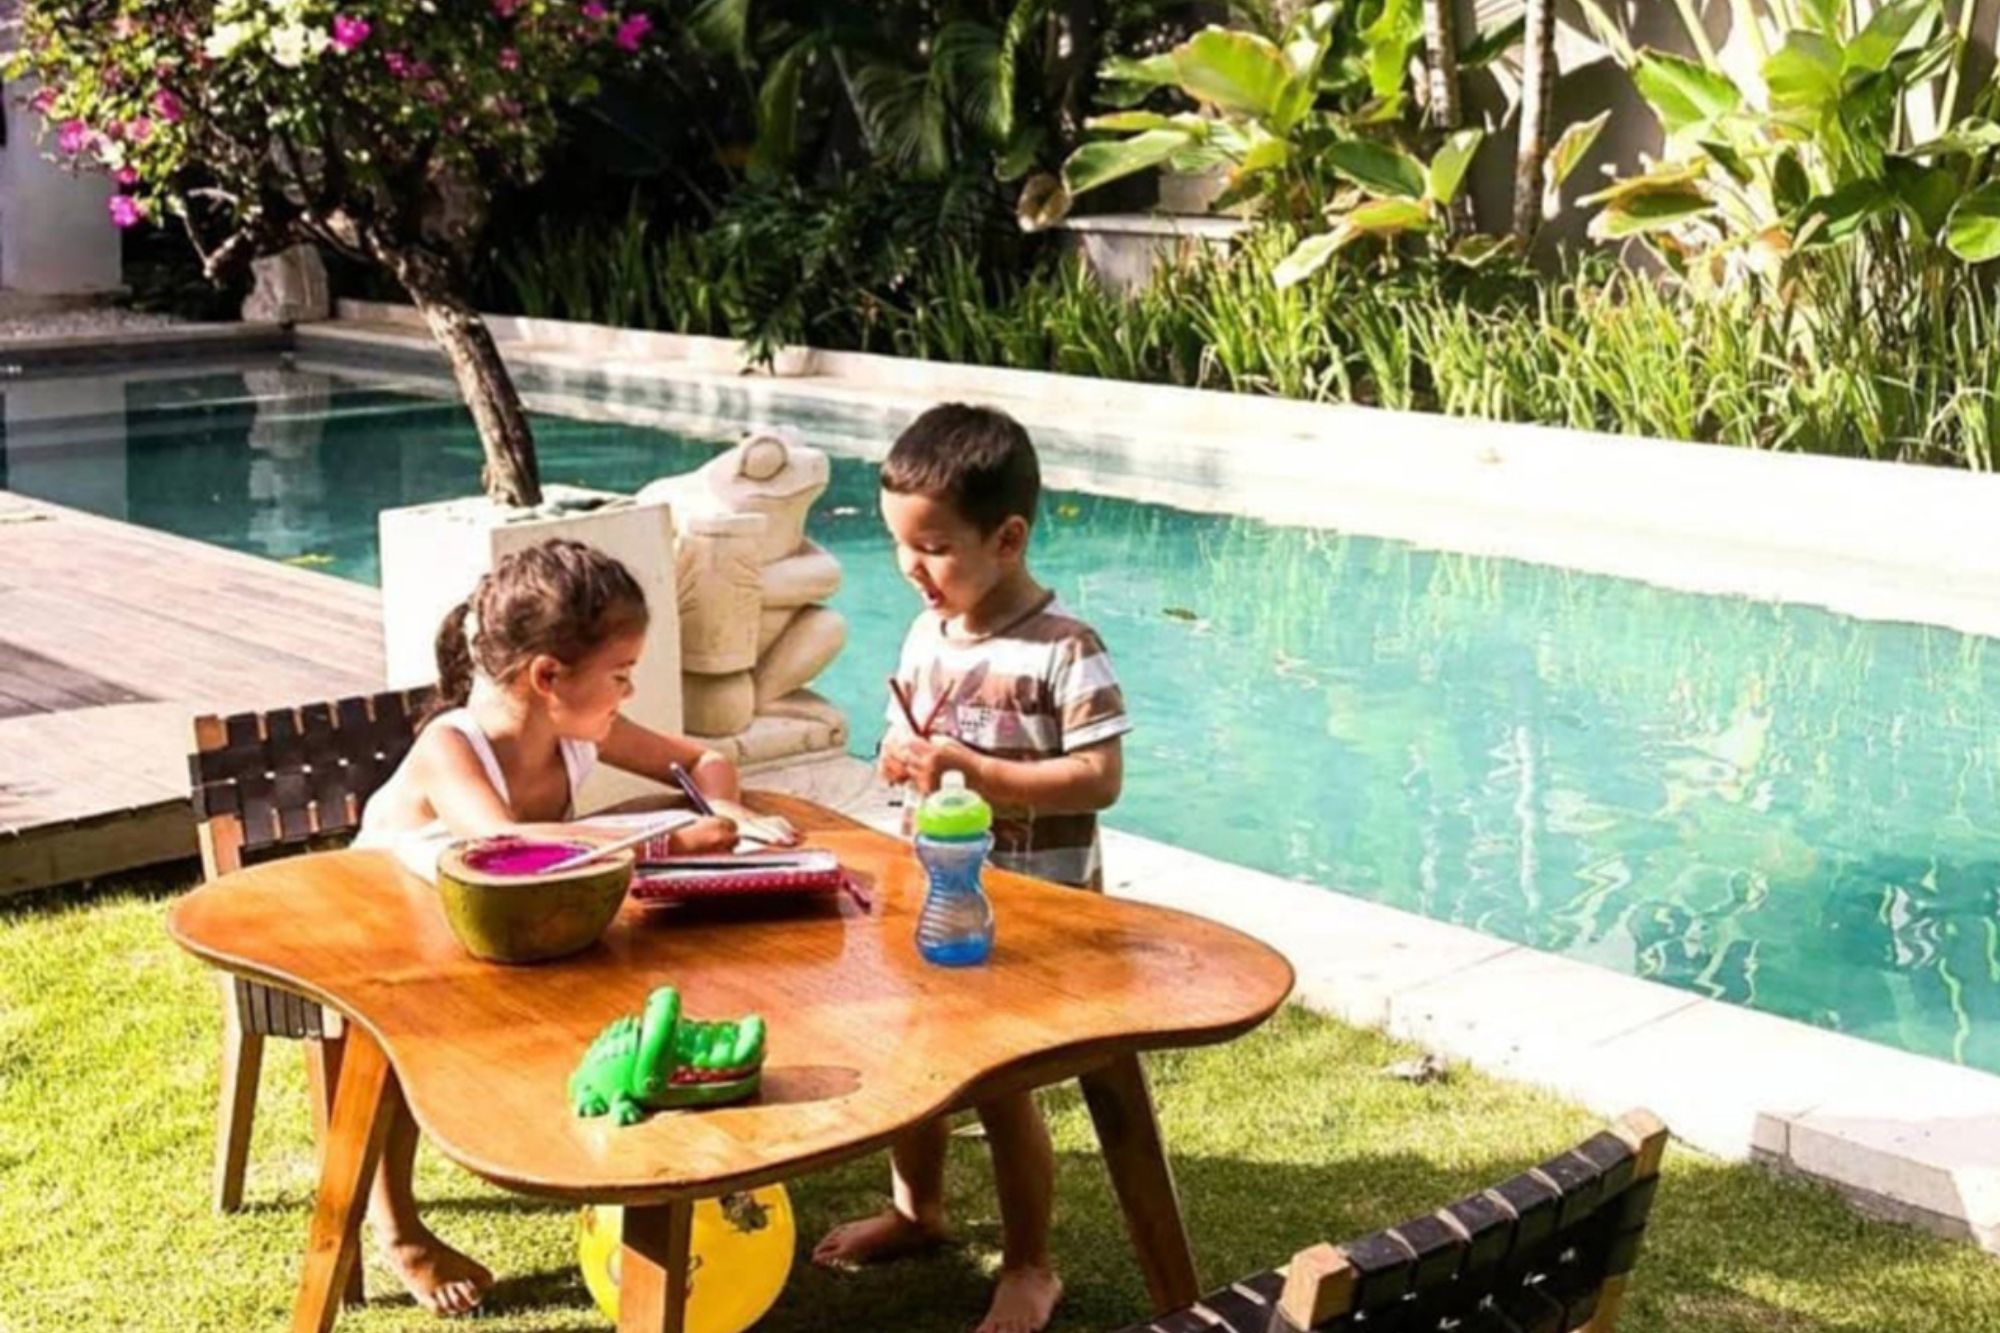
(953, 810)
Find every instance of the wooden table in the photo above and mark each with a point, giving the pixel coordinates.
(866, 1039)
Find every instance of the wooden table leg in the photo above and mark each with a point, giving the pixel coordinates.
(1128, 1132)
(323, 1057)
(653, 1270)
(354, 1136)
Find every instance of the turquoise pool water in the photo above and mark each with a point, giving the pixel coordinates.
(1763, 803)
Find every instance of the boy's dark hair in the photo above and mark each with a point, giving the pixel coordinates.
(975, 459)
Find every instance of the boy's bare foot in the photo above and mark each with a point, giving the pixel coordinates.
(1024, 1300)
(873, 1240)
(444, 1281)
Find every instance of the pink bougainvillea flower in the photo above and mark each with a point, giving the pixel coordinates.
(633, 30)
(138, 130)
(73, 137)
(126, 211)
(398, 63)
(349, 32)
(593, 10)
(510, 59)
(43, 99)
(127, 176)
(505, 8)
(168, 105)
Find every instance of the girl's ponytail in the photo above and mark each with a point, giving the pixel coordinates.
(454, 663)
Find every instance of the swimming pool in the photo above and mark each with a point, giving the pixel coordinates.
(1763, 803)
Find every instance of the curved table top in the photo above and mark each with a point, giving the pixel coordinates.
(865, 1038)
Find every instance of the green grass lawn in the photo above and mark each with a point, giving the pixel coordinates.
(108, 1042)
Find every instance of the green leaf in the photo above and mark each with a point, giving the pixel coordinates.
(1388, 217)
(1018, 158)
(1096, 164)
(1307, 43)
(777, 112)
(1449, 164)
(1490, 45)
(1973, 135)
(1803, 75)
(1974, 230)
(1377, 167)
(1477, 252)
(1237, 71)
(1264, 154)
(1643, 213)
(1130, 121)
(722, 25)
(1837, 216)
(1928, 193)
(1569, 151)
(1309, 257)
(965, 62)
(1667, 178)
(1382, 218)
(1791, 188)
(1152, 72)
(1389, 40)
(1823, 16)
(1686, 96)
(1728, 159)
(1888, 29)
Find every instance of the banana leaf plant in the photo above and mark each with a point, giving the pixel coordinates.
(1821, 149)
(927, 85)
(1272, 109)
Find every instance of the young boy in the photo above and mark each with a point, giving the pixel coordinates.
(1026, 706)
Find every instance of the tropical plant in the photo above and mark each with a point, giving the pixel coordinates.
(1266, 107)
(1819, 151)
(925, 85)
(259, 124)
(1311, 122)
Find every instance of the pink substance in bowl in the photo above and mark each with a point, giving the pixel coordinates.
(519, 856)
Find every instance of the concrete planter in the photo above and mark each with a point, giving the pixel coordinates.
(433, 554)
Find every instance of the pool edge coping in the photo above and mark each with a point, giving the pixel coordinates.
(1871, 540)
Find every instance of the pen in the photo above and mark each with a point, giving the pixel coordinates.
(693, 793)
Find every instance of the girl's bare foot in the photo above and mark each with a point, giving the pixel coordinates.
(1024, 1300)
(873, 1240)
(444, 1281)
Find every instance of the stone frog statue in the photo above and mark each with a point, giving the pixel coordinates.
(754, 631)
(660, 1060)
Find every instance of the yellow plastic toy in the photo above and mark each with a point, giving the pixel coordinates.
(738, 1258)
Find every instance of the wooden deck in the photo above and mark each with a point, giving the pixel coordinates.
(111, 638)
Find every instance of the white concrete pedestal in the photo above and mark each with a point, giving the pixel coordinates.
(433, 554)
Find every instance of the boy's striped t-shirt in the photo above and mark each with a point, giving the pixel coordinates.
(1039, 688)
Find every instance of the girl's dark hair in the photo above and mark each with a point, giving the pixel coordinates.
(561, 598)
(975, 459)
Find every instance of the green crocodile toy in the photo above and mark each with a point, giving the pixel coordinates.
(660, 1060)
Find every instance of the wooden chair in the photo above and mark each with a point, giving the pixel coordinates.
(1545, 1252)
(274, 784)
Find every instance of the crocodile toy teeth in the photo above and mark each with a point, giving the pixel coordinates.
(660, 1060)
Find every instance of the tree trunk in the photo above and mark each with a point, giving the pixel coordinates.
(511, 476)
(1538, 81)
(1441, 101)
(1443, 104)
(1070, 65)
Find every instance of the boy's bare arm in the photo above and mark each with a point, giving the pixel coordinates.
(1083, 781)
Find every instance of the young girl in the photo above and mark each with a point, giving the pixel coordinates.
(532, 671)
